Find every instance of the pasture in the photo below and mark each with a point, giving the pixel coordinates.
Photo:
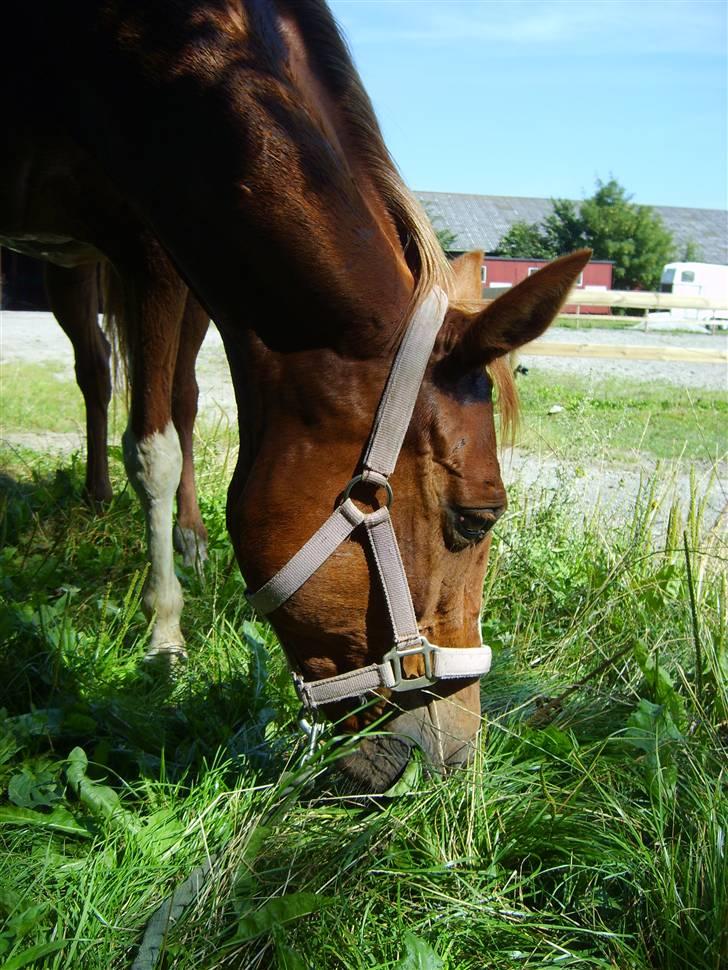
(588, 832)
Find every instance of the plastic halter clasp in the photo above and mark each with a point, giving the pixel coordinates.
(395, 656)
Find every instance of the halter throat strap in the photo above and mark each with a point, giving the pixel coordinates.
(385, 443)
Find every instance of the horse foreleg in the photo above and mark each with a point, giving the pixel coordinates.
(154, 464)
(190, 534)
(73, 298)
(153, 306)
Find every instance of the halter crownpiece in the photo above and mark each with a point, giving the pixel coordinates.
(385, 443)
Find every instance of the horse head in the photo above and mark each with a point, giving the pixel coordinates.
(447, 495)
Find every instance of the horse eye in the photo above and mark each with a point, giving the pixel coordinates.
(471, 526)
(466, 527)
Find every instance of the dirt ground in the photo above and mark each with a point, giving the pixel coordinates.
(709, 377)
(37, 337)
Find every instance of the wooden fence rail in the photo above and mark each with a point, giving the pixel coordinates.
(637, 299)
(547, 348)
(632, 299)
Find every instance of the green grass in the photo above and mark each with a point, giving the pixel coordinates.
(603, 322)
(616, 420)
(620, 420)
(594, 322)
(588, 832)
(39, 397)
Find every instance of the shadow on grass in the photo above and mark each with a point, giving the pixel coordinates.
(72, 637)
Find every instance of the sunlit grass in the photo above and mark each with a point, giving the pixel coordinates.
(596, 321)
(620, 420)
(589, 831)
(39, 397)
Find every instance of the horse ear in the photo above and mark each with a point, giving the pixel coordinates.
(466, 275)
(520, 315)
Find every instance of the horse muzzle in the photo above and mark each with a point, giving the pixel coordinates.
(442, 723)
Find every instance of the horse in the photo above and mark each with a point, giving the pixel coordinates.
(71, 274)
(72, 291)
(238, 133)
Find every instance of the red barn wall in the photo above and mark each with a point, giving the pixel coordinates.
(500, 270)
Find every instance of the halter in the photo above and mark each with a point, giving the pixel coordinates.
(385, 442)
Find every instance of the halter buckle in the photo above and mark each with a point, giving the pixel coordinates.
(394, 658)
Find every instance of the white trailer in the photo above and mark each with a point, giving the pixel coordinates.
(706, 280)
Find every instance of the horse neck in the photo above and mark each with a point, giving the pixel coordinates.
(220, 130)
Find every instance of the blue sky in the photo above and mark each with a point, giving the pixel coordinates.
(541, 97)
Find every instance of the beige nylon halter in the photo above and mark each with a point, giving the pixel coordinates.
(385, 442)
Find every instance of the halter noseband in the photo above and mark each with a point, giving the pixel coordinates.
(385, 442)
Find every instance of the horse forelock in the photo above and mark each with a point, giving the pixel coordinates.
(501, 373)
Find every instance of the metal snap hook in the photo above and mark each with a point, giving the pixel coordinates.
(312, 729)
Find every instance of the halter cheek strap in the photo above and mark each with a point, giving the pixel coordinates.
(385, 443)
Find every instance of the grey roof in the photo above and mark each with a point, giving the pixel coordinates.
(480, 221)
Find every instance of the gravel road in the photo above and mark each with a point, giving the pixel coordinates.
(712, 377)
(37, 337)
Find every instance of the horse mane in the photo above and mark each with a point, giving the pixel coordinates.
(332, 58)
(425, 258)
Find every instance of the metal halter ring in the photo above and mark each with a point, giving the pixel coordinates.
(383, 483)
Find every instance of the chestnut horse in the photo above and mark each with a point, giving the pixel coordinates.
(239, 133)
(71, 278)
(72, 290)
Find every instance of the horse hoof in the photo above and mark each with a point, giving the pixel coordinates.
(98, 501)
(166, 655)
(191, 546)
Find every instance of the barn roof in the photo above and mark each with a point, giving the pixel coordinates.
(480, 221)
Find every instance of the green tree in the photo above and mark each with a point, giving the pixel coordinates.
(565, 228)
(608, 223)
(525, 239)
(632, 236)
(691, 252)
(445, 238)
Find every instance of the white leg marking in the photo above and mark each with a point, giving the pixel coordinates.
(154, 466)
